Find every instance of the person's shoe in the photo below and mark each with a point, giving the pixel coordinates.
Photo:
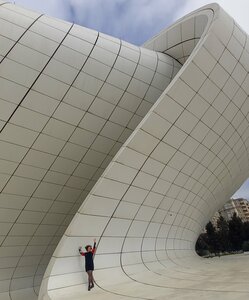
(92, 285)
(89, 287)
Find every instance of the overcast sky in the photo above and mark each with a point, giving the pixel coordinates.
(134, 20)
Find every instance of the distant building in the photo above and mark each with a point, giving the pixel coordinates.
(238, 206)
(228, 210)
(215, 219)
(242, 206)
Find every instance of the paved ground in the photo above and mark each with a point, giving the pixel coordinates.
(221, 278)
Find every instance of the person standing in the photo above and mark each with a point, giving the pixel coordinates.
(89, 265)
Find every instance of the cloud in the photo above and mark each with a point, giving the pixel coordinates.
(132, 20)
(54, 8)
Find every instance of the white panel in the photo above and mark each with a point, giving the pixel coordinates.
(14, 71)
(50, 87)
(28, 57)
(60, 71)
(18, 135)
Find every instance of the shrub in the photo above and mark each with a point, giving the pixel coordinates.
(245, 246)
(203, 252)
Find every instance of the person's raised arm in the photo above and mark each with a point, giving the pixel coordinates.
(94, 246)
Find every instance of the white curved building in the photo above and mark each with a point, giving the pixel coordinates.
(134, 146)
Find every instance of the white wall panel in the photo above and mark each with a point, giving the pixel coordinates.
(136, 146)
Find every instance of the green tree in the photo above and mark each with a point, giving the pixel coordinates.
(246, 231)
(236, 232)
(223, 234)
(230, 235)
(201, 246)
(212, 238)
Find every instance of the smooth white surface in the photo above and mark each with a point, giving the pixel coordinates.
(70, 97)
(154, 147)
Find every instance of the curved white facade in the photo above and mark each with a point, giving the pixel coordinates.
(155, 138)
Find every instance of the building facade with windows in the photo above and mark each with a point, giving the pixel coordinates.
(238, 206)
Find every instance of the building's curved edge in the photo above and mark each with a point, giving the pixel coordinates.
(221, 29)
(44, 290)
(32, 256)
(47, 287)
(213, 7)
